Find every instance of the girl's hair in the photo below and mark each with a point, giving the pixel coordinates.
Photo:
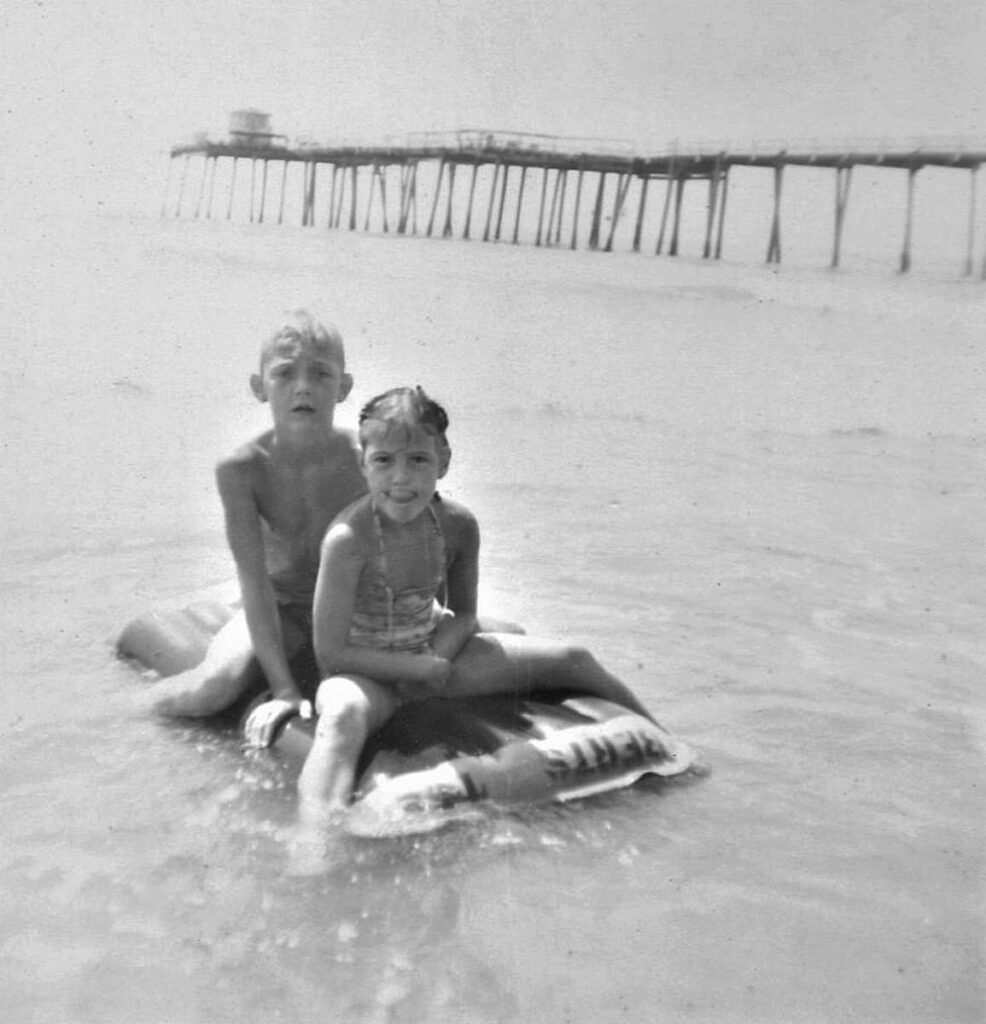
(408, 407)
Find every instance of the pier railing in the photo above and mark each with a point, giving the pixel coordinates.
(873, 146)
(479, 140)
(482, 140)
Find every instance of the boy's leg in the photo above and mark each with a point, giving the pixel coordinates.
(349, 709)
(500, 662)
(228, 670)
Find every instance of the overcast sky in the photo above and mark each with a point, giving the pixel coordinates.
(84, 78)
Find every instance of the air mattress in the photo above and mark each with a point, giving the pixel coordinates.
(440, 759)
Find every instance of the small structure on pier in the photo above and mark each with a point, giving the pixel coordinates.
(250, 127)
(605, 167)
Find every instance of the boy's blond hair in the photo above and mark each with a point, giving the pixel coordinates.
(302, 326)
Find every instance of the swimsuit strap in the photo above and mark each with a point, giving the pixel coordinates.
(385, 565)
(441, 537)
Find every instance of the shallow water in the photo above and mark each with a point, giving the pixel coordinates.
(757, 496)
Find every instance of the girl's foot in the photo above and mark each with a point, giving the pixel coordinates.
(315, 843)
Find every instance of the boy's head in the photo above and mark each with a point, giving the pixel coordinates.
(303, 359)
(299, 327)
(402, 412)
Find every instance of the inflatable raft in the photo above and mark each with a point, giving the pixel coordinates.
(437, 760)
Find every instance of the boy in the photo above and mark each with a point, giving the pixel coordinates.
(280, 492)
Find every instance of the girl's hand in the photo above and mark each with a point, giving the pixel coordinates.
(261, 726)
(435, 672)
(431, 676)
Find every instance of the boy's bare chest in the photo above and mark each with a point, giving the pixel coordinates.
(299, 502)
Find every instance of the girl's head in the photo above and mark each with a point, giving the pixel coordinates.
(401, 413)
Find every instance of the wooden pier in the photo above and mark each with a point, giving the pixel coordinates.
(571, 178)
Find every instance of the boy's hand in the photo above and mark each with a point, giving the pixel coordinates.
(263, 721)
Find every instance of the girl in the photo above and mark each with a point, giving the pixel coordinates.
(395, 604)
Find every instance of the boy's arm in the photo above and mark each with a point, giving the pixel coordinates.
(342, 562)
(245, 538)
(462, 536)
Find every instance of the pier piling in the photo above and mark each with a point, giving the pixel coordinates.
(263, 192)
(489, 207)
(447, 229)
(181, 189)
(198, 202)
(520, 203)
(597, 211)
(561, 205)
(843, 179)
(670, 177)
(905, 255)
(578, 203)
(354, 197)
(638, 229)
(553, 209)
(472, 193)
(284, 192)
(312, 186)
(212, 189)
(544, 193)
(723, 193)
(232, 189)
(622, 185)
(438, 192)
(971, 232)
(503, 199)
(774, 245)
(710, 211)
(676, 224)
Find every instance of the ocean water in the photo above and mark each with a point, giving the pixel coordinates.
(757, 495)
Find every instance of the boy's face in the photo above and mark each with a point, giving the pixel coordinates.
(402, 467)
(303, 380)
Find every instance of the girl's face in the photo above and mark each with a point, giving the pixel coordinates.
(402, 467)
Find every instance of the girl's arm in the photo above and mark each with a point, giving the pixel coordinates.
(462, 537)
(342, 562)
(245, 538)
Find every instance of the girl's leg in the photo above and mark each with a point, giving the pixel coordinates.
(500, 662)
(490, 625)
(349, 709)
